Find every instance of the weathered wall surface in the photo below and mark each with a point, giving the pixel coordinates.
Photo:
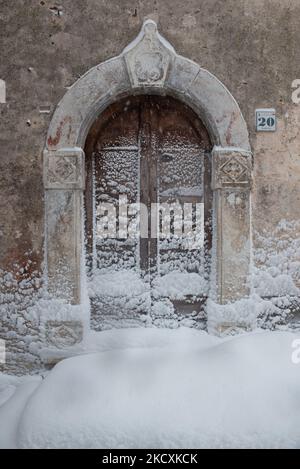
(252, 46)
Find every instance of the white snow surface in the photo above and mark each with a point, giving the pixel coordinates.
(14, 394)
(129, 284)
(117, 283)
(177, 285)
(161, 388)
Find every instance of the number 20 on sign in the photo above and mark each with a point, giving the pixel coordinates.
(265, 120)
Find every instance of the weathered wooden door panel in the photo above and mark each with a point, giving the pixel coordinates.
(152, 151)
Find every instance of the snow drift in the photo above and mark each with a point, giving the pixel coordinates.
(170, 389)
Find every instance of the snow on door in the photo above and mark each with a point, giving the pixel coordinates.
(148, 215)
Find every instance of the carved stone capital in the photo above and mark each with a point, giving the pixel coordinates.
(231, 168)
(64, 169)
(62, 334)
(148, 57)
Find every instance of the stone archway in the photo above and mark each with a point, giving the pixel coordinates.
(149, 65)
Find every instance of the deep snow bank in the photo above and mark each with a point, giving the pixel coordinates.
(179, 388)
(14, 393)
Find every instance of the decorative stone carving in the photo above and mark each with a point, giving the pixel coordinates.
(64, 169)
(231, 328)
(149, 67)
(231, 168)
(148, 57)
(63, 333)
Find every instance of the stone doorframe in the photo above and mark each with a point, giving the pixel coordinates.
(149, 65)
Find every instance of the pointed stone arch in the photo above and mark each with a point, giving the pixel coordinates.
(149, 65)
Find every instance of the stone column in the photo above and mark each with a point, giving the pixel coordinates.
(231, 182)
(64, 184)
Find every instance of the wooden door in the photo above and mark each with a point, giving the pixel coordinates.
(151, 152)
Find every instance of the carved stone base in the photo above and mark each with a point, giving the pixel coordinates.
(230, 328)
(62, 334)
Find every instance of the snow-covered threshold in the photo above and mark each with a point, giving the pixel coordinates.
(161, 388)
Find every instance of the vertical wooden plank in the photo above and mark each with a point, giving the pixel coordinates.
(89, 212)
(144, 148)
(208, 203)
(153, 153)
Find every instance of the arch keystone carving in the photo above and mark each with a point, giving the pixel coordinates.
(148, 57)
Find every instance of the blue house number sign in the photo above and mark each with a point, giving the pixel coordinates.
(265, 120)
